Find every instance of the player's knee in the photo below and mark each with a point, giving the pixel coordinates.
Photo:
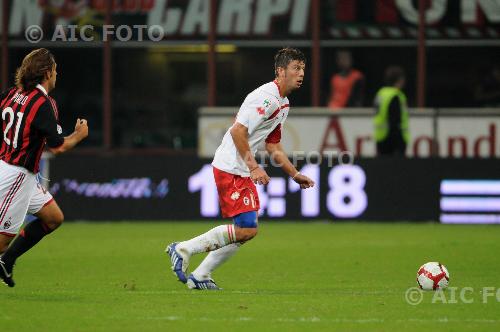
(54, 220)
(252, 232)
(4, 244)
(58, 218)
(245, 234)
(3, 248)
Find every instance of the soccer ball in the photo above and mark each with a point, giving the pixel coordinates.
(433, 276)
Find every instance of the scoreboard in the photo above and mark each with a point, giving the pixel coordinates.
(346, 197)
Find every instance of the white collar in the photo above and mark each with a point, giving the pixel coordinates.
(41, 88)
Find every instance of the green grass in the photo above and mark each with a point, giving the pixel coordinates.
(292, 277)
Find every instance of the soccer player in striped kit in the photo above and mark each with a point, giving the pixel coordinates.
(29, 122)
(260, 119)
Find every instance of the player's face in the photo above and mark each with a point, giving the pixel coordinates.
(294, 74)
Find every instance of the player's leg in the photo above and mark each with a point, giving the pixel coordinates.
(5, 240)
(245, 226)
(215, 259)
(5, 273)
(16, 188)
(49, 217)
(214, 239)
(201, 278)
(245, 229)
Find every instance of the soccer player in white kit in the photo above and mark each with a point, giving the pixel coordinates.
(260, 119)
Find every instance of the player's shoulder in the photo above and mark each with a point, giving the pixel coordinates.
(270, 89)
(47, 105)
(10, 89)
(48, 101)
(8, 92)
(44, 101)
(267, 92)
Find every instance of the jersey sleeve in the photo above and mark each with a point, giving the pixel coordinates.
(255, 110)
(46, 123)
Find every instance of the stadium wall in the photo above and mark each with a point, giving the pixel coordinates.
(182, 188)
(450, 132)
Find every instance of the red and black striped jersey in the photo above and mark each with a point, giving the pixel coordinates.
(29, 121)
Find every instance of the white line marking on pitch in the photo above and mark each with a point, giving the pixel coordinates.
(325, 320)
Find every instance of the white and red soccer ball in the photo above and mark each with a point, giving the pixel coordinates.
(433, 276)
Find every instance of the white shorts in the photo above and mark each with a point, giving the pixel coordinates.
(20, 194)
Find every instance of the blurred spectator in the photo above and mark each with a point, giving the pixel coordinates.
(487, 93)
(391, 119)
(348, 85)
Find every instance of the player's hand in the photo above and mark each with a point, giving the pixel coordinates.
(304, 181)
(259, 176)
(81, 128)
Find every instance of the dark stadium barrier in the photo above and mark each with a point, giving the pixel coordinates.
(182, 188)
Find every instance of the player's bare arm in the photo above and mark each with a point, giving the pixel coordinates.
(80, 133)
(276, 152)
(239, 134)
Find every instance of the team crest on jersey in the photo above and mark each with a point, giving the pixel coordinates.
(8, 223)
(235, 195)
(262, 110)
(59, 129)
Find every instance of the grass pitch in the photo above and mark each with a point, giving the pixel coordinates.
(292, 277)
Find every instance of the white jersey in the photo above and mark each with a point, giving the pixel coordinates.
(263, 112)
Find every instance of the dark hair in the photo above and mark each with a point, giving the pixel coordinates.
(285, 56)
(393, 74)
(33, 69)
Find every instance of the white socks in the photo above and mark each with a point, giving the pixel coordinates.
(215, 259)
(214, 239)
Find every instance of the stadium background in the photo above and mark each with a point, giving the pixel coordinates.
(155, 105)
